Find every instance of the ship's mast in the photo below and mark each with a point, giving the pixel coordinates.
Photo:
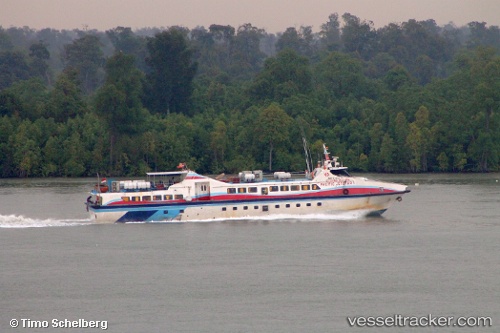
(308, 164)
(325, 152)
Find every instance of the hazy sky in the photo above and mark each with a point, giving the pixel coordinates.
(271, 15)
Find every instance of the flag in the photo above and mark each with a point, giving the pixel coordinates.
(103, 181)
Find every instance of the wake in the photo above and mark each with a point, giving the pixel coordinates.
(19, 221)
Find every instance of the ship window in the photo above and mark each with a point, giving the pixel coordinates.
(146, 198)
(156, 197)
(136, 198)
(319, 203)
(167, 197)
(178, 196)
(315, 187)
(252, 190)
(273, 188)
(264, 190)
(242, 190)
(245, 207)
(235, 208)
(265, 208)
(306, 187)
(125, 199)
(165, 212)
(295, 187)
(181, 211)
(255, 207)
(223, 209)
(284, 188)
(277, 206)
(297, 205)
(308, 204)
(231, 190)
(287, 205)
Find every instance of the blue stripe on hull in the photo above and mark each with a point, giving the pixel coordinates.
(377, 213)
(140, 215)
(137, 216)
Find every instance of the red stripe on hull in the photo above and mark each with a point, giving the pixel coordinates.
(244, 197)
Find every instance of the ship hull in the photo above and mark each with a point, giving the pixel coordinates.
(206, 210)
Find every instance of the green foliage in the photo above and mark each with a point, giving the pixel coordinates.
(273, 125)
(409, 97)
(86, 56)
(172, 72)
(13, 67)
(342, 76)
(65, 100)
(285, 75)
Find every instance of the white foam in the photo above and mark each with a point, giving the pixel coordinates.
(338, 216)
(19, 221)
(341, 216)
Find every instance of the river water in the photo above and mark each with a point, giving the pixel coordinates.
(436, 253)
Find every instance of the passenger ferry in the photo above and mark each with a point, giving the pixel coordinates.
(185, 195)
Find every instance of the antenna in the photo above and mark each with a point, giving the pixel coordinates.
(325, 152)
(307, 153)
(304, 142)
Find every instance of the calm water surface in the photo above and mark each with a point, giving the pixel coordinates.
(437, 252)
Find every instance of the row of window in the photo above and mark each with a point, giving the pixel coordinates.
(265, 208)
(265, 189)
(154, 197)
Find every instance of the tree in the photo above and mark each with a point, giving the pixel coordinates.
(32, 95)
(118, 102)
(443, 161)
(358, 36)
(10, 104)
(387, 154)
(486, 75)
(341, 75)
(124, 40)
(65, 100)
(480, 35)
(376, 134)
(283, 76)
(248, 58)
(7, 127)
(273, 124)
(398, 77)
(223, 37)
(219, 144)
(39, 56)
(5, 41)
(300, 41)
(26, 151)
(172, 73)
(86, 56)
(330, 33)
(418, 139)
(401, 131)
(13, 67)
